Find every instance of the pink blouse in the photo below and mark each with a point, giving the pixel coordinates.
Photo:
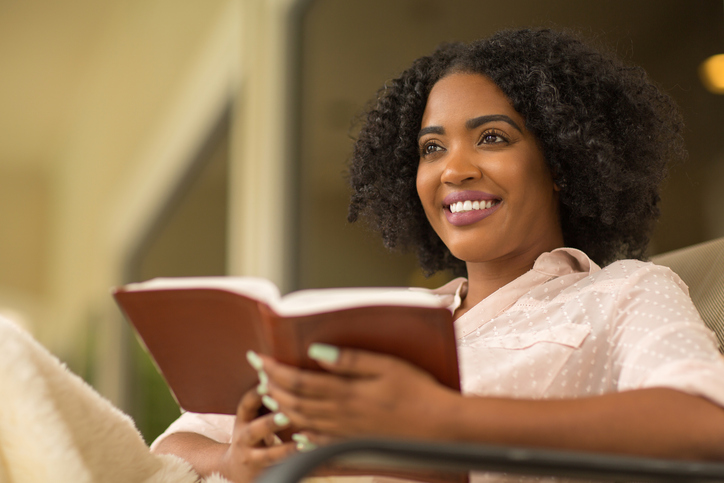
(568, 329)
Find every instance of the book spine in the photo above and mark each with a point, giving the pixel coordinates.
(281, 341)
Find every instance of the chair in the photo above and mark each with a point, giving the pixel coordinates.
(700, 266)
(510, 460)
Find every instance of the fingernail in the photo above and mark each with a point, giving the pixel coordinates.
(254, 360)
(305, 447)
(323, 352)
(300, 438)
(270, 403)
(303, 443)
(281, 419)
(262, 389)
(263, 378)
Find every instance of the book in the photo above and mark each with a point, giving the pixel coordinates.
(199, 329)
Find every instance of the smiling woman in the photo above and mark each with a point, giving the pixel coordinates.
(531, 163)
(472, 149)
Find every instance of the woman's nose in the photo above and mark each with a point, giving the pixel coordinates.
(460, 167)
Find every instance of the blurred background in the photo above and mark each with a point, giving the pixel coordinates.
(144, 138)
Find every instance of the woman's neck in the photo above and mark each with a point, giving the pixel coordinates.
(483, 281)
(485, 278)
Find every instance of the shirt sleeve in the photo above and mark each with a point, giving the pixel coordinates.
(214, 426)
(661, 340)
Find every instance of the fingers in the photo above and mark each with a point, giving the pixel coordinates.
(244, 463)
(337, 402)
(309, 440)
(263, 457)
(313, 400)
(304, 383)
(260, 430)
(352, 362)
(313, 413)
(309, 413)
(248, 407)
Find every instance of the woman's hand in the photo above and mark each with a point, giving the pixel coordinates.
(254, 446)
(363, 393)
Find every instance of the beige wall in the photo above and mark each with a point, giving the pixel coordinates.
(104, 110)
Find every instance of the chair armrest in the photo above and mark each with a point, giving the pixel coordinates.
(468, 457)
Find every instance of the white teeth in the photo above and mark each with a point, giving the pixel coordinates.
(461, 206)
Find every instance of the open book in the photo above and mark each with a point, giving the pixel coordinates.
(199, 329)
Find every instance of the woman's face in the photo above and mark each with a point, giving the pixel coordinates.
(482, 178)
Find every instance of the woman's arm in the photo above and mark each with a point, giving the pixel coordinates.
(251, 450)
(657, 422)
(372, 394)
(204, 454)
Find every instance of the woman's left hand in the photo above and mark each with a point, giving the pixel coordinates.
(363, 394)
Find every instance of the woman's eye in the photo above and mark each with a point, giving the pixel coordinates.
(493, 138)
(429, 148)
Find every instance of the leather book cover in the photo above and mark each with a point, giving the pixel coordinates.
(422, 336)
(198, 339)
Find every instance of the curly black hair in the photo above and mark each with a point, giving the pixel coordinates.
(606, 131)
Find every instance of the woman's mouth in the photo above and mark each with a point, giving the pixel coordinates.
(465, 206)
(467, 212)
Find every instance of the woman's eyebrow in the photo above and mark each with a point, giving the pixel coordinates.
(430, 130)
(471, 124)
(479, 121)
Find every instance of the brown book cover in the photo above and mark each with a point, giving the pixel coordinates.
(199, 329)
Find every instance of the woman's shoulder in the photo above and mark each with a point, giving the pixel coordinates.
(581, 275)
(626, 281)
(638, 272)
(573, 268)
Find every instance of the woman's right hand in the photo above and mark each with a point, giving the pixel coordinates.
(254, 445)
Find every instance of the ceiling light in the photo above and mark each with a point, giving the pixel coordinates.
(712, 73)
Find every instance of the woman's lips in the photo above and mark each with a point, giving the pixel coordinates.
(470, 216)
(468, 195)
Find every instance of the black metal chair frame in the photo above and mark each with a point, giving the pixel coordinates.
(510, 460)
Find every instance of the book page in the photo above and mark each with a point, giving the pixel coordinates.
(253, 287)
(306, 302)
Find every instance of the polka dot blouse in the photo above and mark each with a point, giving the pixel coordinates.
(568, 328)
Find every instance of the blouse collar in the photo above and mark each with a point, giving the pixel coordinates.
(549, 265)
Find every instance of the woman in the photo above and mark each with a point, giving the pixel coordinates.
(524, 162)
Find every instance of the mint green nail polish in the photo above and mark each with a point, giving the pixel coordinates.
(306, 447)
(300, 438)
(281, 419)
(254, 360)
(270, 403)
(263, 378)
(262, 389)
(323, 352)
(303, 443)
